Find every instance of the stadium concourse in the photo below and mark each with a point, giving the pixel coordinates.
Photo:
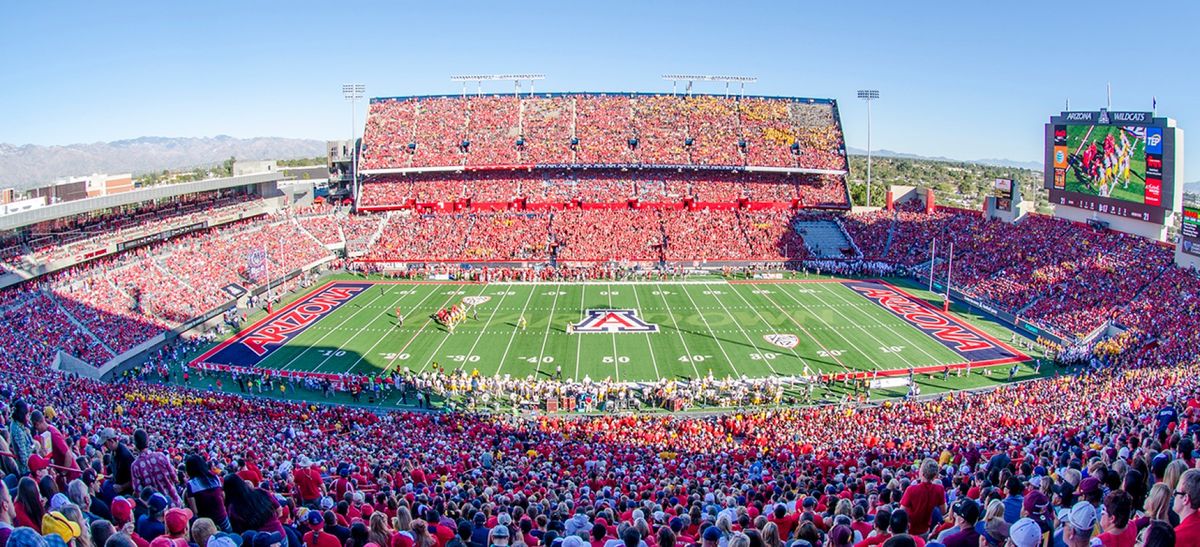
(1103, 450)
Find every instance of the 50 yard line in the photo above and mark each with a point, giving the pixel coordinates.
(649, 346)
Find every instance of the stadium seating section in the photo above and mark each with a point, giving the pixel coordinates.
(488, 131)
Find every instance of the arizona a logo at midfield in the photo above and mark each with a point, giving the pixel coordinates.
(613, 321)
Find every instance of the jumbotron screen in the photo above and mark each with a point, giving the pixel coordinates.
(1117, 163)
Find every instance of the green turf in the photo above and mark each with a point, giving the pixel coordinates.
(711, 327)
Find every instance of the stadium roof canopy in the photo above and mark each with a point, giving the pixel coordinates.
(164, 191)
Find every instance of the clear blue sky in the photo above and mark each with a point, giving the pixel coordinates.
(958, 79)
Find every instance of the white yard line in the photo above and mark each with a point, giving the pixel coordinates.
(678, 331)
(806, 333)
(616, 358)
(849, 344)
(734, 290)
(579, 339)
(338, 329)
(649, 346)
(546, 336)
(513, 336)
(428, 320)
(720, 346)
(495, 308)
(384, 336)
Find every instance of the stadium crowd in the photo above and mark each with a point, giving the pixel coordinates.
(601, 186)
(102, 308)
(1061, 275)
(499, 130)
(46, 242)
(1108, 456)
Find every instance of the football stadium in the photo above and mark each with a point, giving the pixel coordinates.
(654, 317)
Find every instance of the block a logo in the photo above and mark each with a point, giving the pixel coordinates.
(613, 321)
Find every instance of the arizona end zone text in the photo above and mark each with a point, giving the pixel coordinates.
(973, 345)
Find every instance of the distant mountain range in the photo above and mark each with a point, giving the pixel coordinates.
(30, 165)
(1032, 165)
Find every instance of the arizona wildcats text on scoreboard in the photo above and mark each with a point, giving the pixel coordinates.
(1115, 163)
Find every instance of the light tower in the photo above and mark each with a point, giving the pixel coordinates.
(868, 95)
(352, 93)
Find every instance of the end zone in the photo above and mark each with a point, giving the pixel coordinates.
(254, 344)
(976, 347)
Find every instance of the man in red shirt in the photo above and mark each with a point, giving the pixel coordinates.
(922, 498)
(784, 521)
(1187, 506)
(60, 451)
(308, 481)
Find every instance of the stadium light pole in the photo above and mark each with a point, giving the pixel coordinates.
(868, 95)
(352, 93)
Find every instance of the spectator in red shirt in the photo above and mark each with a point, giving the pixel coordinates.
(784, 521)
(308, 481)
(60, 450)
(922, 498)
(1187, 505)
(1118, 532)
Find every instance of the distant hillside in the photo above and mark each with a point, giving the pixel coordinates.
(31, 165)
(958, 183)
(1031, 165)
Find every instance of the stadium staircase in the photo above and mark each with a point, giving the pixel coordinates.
(887, 245)
(824, 238)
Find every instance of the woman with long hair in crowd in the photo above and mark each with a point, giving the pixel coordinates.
(205, 494)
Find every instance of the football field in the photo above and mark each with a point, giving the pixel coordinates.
(627, 331)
